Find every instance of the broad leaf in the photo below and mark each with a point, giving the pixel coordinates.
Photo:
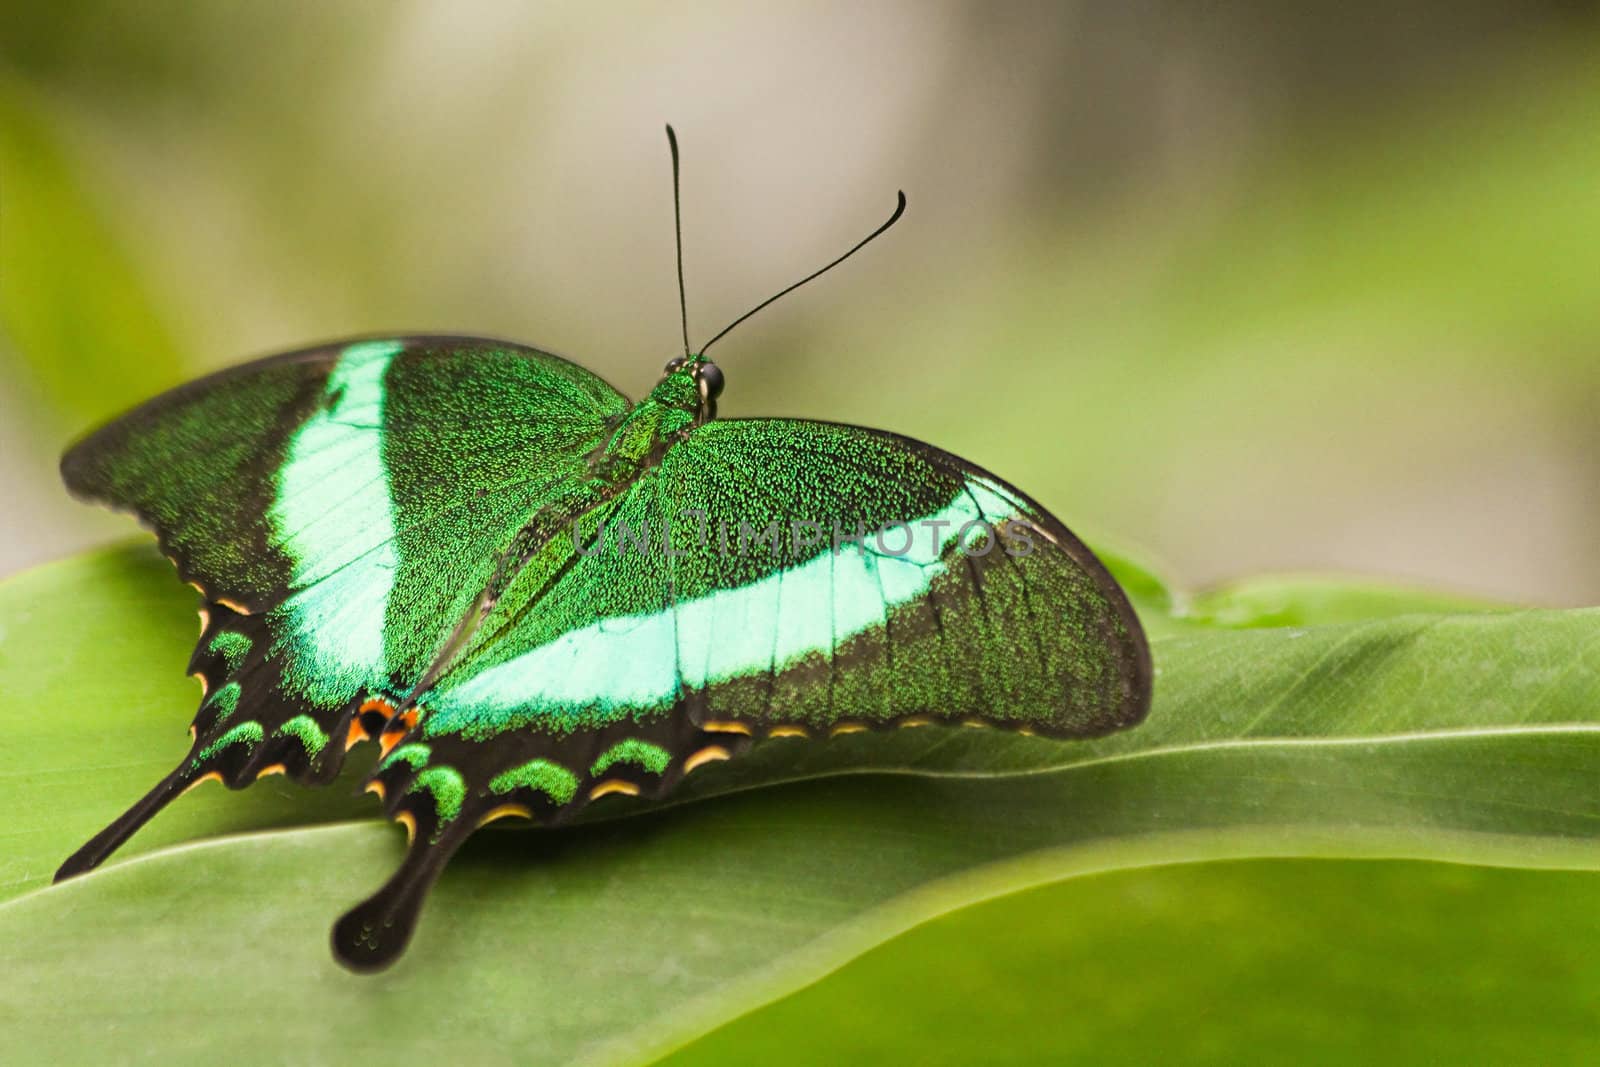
(1469, 737)
(1311, 962)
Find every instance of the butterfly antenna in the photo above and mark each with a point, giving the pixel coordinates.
(898, 211)
(677, 224)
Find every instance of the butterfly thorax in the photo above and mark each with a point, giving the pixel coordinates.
(681, 401)
(674, 407)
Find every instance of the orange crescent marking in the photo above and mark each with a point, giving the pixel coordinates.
(205, 686)
(205, 620)
(614, 785)
(709, 754)
(847, 728)
(506, 811)
(209, 776)
(392, 734)
(916, 720)
(270, 770)
(728, 728)
(974, 724)
(357, 734)
(788, 731)
(376, 704)
(409, 821)
(232, 605)
(374, 787)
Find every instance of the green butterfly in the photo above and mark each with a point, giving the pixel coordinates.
(535, 594)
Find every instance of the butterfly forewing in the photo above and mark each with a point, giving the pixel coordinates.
(335, 506)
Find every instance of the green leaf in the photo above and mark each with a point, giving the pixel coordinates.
(1463, 737)
(1264, 961)
(1308, 600)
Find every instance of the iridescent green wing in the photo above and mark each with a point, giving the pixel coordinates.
(936, 592)
(950, 597)
(338, 508)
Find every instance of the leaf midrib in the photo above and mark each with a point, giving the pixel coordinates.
(1405, 737)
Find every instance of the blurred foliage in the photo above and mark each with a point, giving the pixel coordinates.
(74, 311)
(1259, 290)
(1303, 600)
(1376, 351)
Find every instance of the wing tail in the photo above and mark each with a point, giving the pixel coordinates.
(373, 934)
(107, 841)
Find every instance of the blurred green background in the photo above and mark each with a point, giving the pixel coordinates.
(1240, 288)
(1245, 287)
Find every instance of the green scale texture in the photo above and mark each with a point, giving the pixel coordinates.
(780, 634)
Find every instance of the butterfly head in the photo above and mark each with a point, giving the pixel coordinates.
(691, 383)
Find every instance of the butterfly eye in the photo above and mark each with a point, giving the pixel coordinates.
(709, 375)
(673, 366)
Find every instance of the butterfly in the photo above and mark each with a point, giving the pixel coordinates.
(534, 594)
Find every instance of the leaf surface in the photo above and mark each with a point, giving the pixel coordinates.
(1469, 737)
